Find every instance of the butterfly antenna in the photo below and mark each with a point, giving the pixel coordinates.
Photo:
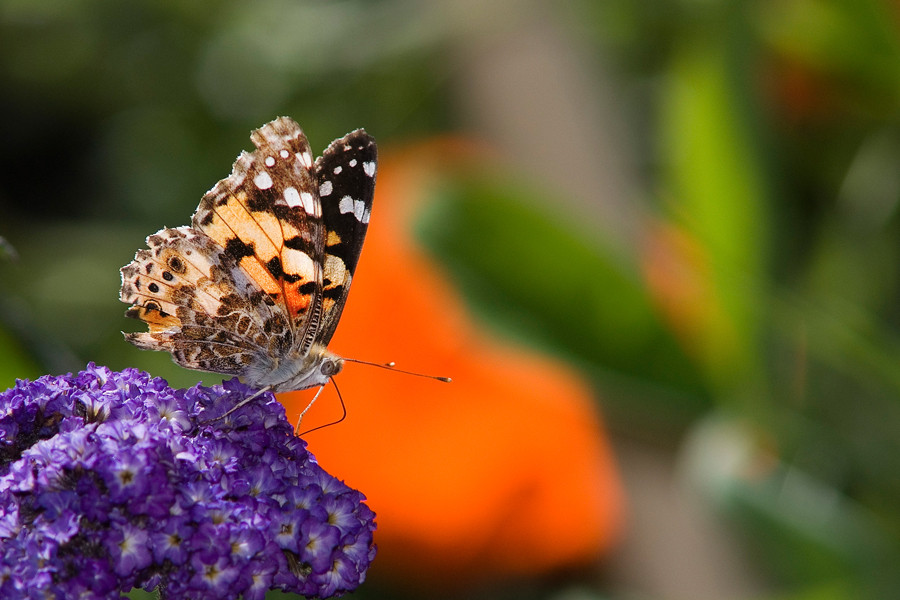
(343, 409)
(391, 366)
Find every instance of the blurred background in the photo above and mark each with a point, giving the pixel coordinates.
(679, 217)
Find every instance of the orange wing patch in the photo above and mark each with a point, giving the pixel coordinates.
(232, 226)
(155, 318)
(301, 274)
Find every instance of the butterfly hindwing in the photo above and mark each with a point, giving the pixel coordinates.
(198, 305)
(346, 177)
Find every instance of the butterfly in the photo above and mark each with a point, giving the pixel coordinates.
(256, 284)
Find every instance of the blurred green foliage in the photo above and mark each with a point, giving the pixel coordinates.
(766, 132)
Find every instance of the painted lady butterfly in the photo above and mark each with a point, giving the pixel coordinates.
(256, 284)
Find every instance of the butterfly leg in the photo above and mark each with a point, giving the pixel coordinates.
(308, 406)
(241, 403)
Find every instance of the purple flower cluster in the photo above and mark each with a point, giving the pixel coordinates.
(110, 481)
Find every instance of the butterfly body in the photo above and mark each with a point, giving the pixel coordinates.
(255, 286)
(296, 372)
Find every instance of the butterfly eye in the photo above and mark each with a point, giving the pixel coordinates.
(330, 367)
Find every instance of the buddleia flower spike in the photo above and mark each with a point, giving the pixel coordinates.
(113, 480)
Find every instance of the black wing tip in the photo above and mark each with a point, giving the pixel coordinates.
(355, 136)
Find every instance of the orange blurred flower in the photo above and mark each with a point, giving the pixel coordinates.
(506, 470)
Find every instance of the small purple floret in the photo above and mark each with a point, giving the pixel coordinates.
(113, 480)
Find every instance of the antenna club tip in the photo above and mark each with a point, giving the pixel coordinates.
(391, 366)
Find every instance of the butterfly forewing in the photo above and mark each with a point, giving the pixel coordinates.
(346, 177)
(268, 218)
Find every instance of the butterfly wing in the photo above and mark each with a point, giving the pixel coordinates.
(199, 305)
(268, 218)
(346, 181)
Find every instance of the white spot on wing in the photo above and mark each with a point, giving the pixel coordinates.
(325, 189)
(369, 168)
(346, 205)
(353, 163)
(270, 161)
(308, 204)
(292, 197)
(305, 158)
(284, 153)
(359, 210)
(357, 207)
(297, 263)
(337, 170)
(263, 181)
